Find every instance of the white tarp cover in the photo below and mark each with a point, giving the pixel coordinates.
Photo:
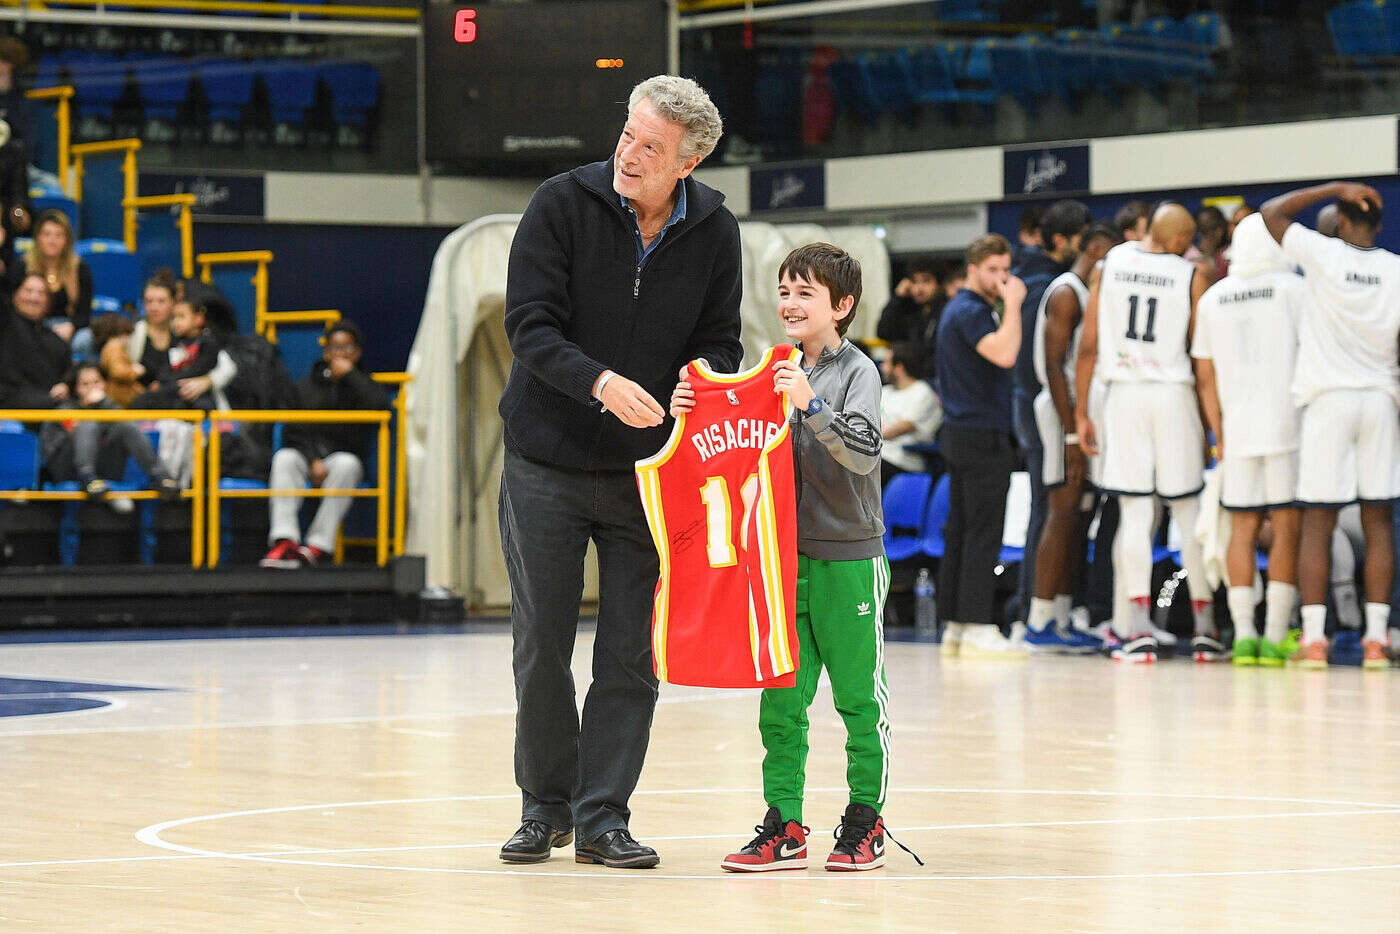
(460, 360)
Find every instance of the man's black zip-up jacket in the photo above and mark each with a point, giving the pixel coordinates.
(578, 303)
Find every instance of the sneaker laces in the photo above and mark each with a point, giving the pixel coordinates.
(850, 836)
(767, 834)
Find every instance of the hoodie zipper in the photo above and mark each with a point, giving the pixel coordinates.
(797, 439)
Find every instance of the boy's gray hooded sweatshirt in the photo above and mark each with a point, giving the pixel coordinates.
(837, 454)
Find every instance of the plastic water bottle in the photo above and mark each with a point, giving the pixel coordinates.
(925, 609)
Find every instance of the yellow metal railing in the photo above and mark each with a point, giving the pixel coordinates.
(266, 325)
(400, 380)
(128, 147)
(259, 259)
(195, 494)
(335, 11)
(184, 222)
(62, 96)
(379, 492)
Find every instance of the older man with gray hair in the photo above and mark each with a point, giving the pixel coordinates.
(620, 273)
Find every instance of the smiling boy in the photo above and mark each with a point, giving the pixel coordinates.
(842, 574)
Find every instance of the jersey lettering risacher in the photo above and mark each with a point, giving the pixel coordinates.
(720, 499)
(1144, 316)
(1081, 292)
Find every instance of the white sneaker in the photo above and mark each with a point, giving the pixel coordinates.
(952, 639)
(986, 641)
(1018, 635)
(1164, 638)
(1079, 619)
(121, 505)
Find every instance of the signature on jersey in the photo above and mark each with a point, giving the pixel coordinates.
(682, 540)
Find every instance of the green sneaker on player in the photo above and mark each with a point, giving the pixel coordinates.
(1246, 652)
(1276, 654)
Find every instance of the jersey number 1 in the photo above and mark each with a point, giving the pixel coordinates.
(1147, 335)
(719, 541)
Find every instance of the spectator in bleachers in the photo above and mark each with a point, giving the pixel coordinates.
(1132, 220)
(912, 312)
(14, 106)
(1212, 241)
(977, 347)
(33, 359)
(328, 456)
(1027, 232)
(66, 278)
(187, 376)
(150, 339)
(110, 336)
(909, 412)
(93, 453)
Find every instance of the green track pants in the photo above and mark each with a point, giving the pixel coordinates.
(840, 617)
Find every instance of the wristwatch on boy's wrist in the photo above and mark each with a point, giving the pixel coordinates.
(814, 406)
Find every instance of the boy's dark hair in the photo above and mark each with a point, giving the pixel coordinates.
(1129, 214)
(1065, 218)
(1030, 219)
(71, 377)
(907, 355)
(347, 327)
(1098, 231)
(922, 264)
(1369, 218)
(986, 246)
(830, 266)
(108, 326)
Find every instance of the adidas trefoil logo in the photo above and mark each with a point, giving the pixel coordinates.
(863, 609)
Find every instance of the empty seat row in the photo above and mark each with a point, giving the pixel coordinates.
(1363, 29)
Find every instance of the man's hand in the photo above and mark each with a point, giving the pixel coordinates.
(1012, 291)
(58, 391)
(340, 365)
(1076, 465)
(632, 404)
(905, 288)
(789, 378)
(682, 397)
(1358, 194)
(1088, 437)
(64, 329)
(317, 472)
(193, 387)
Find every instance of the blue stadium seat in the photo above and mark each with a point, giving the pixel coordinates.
(19, 460)
(116, 273)
(938, 505)
(299, 346)
(1015, 67)
(101, 212)
(854, 92)
(165, 86)
(1207, 29)
(291, 86)
(905, 505)
(354, 88)
(1359, 28)
(228, 86)
(929, 76)
(966, 11)
(778, 89)
(889, 80)
(99, 78)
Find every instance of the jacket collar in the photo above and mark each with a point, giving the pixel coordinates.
(700, 199)
(1035, 261)
(827, 354)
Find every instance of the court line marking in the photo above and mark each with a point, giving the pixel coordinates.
(332, 721)
(151, 835)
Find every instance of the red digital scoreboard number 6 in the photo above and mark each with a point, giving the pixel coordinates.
(464, 26)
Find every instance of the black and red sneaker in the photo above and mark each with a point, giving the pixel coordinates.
(778, 846)
(282, 556)
(310, 555)
(860, 841)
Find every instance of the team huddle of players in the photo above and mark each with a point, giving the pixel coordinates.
(1297, 379)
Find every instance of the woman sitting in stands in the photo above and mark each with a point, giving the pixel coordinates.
(150, 339)
(95, 452)
(68, 279)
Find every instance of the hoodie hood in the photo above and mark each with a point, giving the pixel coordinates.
(1253, 250)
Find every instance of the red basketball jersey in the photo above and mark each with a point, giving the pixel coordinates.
(721, 501)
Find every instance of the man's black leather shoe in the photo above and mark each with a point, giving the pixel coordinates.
(617, 850)
(532, 842)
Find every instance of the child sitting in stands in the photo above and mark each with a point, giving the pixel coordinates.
(195, 371)
(110, 336)
(94, 452)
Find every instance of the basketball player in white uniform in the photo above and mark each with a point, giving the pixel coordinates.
(1137, 329)
(1348, 382)
(1245, 345)
(1061, 547)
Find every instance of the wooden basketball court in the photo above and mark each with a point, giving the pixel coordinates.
(320, 783)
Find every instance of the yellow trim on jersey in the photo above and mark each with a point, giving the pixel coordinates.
(649, 485)
(764, 362)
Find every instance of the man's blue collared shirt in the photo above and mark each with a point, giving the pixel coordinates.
(677, 215)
